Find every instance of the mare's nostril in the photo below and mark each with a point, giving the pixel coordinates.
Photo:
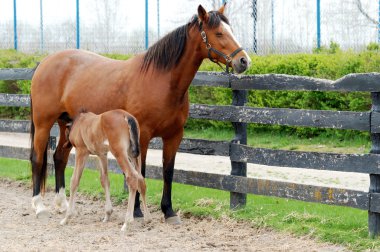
(243, 61)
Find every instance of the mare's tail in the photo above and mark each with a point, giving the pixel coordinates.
(134, 136)
(35, 169)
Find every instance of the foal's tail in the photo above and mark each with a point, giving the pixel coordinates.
(134, 136)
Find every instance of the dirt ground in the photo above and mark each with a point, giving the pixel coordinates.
(20, 230)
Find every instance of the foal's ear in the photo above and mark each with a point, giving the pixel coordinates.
(221, 9)
(202, 14)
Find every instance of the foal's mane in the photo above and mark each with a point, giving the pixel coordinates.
(167, 52)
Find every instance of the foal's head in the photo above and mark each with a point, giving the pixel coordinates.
(219, 43)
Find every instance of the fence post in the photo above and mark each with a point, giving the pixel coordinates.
(374, 186)
(239, 98)
(51, 148)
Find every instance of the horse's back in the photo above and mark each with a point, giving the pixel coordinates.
(72, 80)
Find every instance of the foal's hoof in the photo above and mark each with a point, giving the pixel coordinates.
(125, 227)
(174, 220)
(42, 213)
(63, 222)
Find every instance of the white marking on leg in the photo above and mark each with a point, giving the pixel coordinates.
(131, 205)
(60, 200)
(80, 160)
(39, 207)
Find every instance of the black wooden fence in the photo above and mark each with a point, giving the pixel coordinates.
(240, 154)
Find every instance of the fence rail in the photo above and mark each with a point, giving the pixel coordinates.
(240, 154)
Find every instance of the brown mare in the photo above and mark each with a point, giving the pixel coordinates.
(116, 131)
(153, 86)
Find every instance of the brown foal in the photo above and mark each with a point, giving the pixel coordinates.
(116, 131)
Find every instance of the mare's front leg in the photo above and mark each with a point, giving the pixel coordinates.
(169, 151)
(106, 186)
(80, 160)
(61, 156)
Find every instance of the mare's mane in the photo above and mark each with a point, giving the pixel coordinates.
(167, 52)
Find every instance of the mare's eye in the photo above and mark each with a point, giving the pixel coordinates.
(219, 34)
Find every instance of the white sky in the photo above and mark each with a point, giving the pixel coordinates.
(56, 11)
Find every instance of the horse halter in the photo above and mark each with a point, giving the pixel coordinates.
(210, 49)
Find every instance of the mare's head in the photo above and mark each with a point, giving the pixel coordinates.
(218, 42)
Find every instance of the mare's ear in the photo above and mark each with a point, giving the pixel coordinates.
(221, 9)
(202, 14)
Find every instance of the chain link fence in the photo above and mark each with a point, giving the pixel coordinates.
(118, 26)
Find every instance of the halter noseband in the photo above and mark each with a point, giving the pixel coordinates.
(210, 49)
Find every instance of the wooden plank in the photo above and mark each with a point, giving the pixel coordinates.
(16, 73)
(14, 152)
(14, 100)
(15, 126)
(282, 116)
(361, 163)
(238, 184)
(212, 79)
(369, 82)
(22, 126)
(197, 146)
(352, 82)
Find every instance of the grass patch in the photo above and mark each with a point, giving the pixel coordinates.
(338, 225)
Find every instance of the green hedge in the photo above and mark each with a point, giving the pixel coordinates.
(329, 63)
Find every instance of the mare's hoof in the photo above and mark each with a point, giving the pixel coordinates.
(174, 220)
(42, 213)
(137, 213)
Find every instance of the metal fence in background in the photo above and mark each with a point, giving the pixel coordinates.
(126, 26)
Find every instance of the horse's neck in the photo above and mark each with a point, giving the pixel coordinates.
(183, 74)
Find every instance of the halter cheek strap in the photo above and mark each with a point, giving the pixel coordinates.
(210, 49)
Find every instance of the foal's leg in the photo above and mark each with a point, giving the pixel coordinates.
(106, 185)
(131, 203)
(142, 191)
(61, 156)
(80, 160)
(144, 143)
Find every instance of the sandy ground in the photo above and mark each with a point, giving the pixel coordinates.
(20, 230)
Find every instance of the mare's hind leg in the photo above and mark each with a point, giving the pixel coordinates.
(106, 186)
(80, 160)
(38, 159)
(61, 156)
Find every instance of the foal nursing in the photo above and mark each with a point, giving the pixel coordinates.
(116, 131)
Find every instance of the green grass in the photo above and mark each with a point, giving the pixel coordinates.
(338, 225)
(355, 144)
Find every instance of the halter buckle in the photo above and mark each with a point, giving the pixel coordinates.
(204, 37)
